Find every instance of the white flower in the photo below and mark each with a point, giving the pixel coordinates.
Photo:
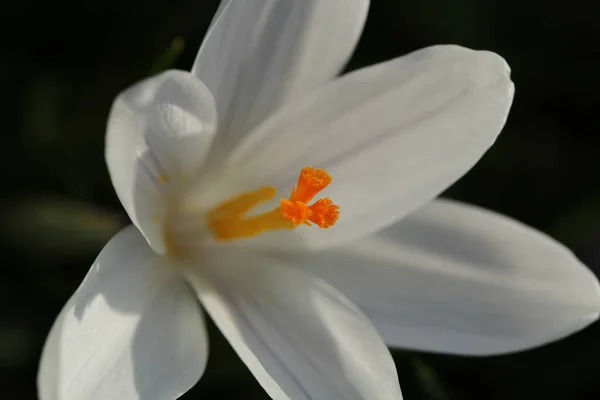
(260, 104)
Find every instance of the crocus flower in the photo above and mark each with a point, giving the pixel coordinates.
(298, 209)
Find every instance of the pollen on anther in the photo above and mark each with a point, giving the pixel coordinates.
(310, 182)
(295, 211)
(324, 213)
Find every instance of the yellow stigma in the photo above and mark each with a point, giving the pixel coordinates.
(228, 221)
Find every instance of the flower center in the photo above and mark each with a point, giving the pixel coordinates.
(228, 221)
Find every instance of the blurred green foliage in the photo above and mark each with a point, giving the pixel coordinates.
(63, 62)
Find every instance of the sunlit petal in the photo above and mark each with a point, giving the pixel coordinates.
(159, 132)
(131, 331)
(258, 54)
(299, 337)
(392, 136)
(454, 278)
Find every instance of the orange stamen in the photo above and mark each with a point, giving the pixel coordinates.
(228, 221)
(310, 182)
(324, 213)
(295, 211)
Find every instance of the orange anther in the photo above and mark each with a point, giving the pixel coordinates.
(295, 211)
(310, 182)
(324, 213)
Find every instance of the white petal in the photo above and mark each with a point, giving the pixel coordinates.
(458, 279)
(299, 337)
(158, 134)
(392, 136)
(259, 53)
(132, 330)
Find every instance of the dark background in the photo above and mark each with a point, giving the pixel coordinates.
(62, 63)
